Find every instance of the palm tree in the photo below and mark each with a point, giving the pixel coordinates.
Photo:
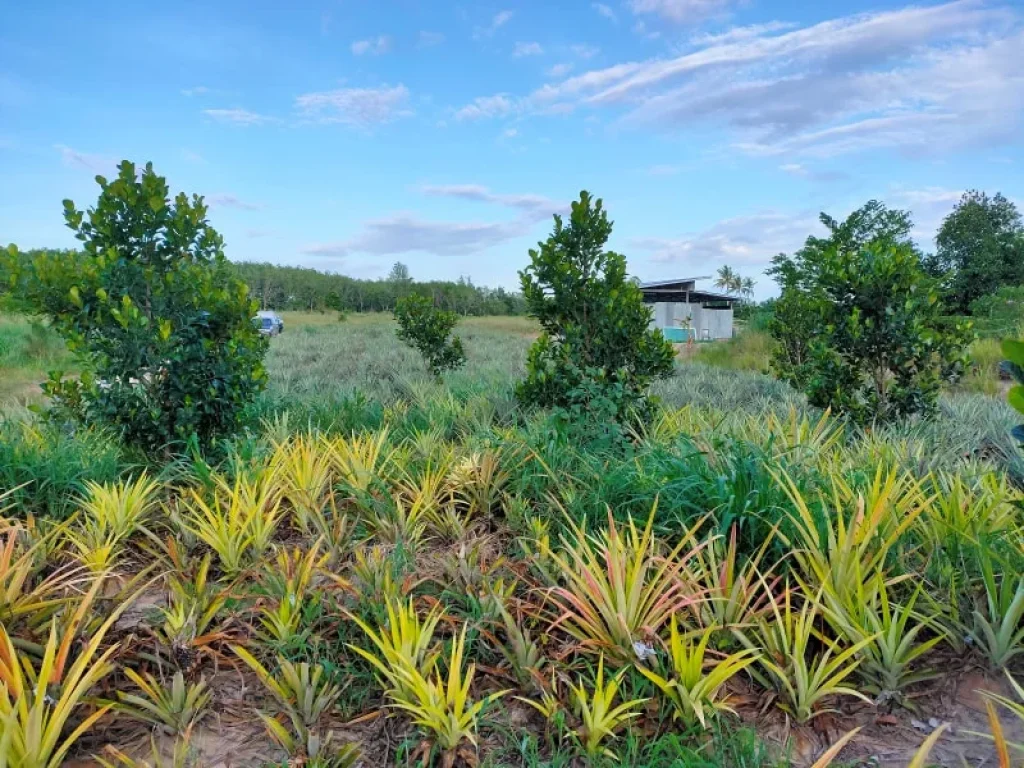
(728, 279)
(747, 287)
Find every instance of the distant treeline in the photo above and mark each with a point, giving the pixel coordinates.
(302, 288)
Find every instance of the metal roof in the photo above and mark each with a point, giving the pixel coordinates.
(676, 281)
(665, 289)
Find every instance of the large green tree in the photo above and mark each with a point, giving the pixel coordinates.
(794, 316)
(161, 326)
(596, 349)
(979, 248)
(860, 325)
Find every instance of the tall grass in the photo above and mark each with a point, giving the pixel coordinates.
(750, 350)
(28, 349)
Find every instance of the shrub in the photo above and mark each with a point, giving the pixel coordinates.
(1014, 365)
(428, 329)
(861, 330)
(161, 327)
(596, 347)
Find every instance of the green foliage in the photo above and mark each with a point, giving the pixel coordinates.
(860, 325)
(428, 329)
(1001, 313)
(979, 248)
(1014, 365)
(302, 288)
(596, 348)
(160, 326)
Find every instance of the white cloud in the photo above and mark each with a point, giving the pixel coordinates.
(527, 49)
(428, 39)
(812, 174)
(102, 164)
(407, 233)
(238, 116)
(584, 51)
(560, 70)
(921, 79)
(486, 106)
(533, 204)
(747, 242)
(375, 46)
(681, 11)
(509, 133)
(191, 156)
(232, 201)
(499, 20)
(361, 107)
(605, 10)
(199, 90)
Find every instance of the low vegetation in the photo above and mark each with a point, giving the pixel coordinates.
(380, 562)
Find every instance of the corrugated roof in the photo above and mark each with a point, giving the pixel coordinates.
(676, 281)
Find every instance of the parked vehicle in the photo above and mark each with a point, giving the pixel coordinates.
(269, 323)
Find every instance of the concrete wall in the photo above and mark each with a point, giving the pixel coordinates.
(707, 323)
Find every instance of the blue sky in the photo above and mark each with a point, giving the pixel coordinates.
(348, 134)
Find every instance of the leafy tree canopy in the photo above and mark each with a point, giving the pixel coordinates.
(160, 325)
(859, 324)
(596, 349)
(428, 329)
(979, 247)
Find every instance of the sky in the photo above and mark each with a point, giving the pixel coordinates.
(346, 135)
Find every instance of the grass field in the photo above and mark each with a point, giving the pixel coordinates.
(842, 578)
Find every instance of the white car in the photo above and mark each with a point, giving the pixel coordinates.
(269, 323)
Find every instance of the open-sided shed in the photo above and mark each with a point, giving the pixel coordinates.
(680, 309)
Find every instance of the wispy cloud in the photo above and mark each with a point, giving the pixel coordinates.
(486, 106)
(924, 79)
(560, 70)
(427, 39)
(681, 11)
(190, 156)
(198, 90)
(362, 107)
(813, 174)
(89, 161)
(374, 46)
(238, 116)
(534, 204)
(232, 201)
(527, 49)
(499, 20)
(583, 51)
(747, 242)
(605, 10)
(408, 233)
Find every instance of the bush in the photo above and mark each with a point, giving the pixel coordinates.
(861, 330)
(428, 329)
(45, 468)
(596, 350)
(161, 328)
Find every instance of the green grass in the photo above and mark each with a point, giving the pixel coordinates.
(28, 349)
(750, 350)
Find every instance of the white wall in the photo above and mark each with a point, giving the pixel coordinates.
(707, 323)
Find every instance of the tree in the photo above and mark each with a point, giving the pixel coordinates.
(874, 342)
(979, 247)
(399, 274)
(161, 327)
(728, 280)
(795, 313)
(746, 289)
(427, 329)
(596, 348)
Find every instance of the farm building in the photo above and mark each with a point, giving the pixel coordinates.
(681, 310)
